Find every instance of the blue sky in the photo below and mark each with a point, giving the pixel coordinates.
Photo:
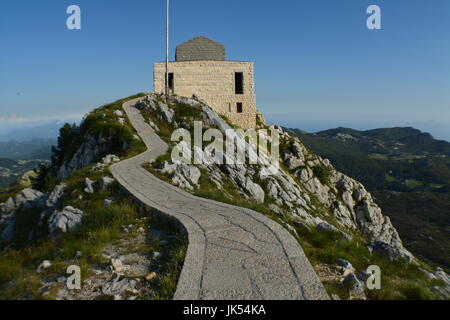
(317, 66)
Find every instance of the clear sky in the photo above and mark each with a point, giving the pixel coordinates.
(317, 65)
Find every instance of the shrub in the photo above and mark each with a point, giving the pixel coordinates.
(323, 173)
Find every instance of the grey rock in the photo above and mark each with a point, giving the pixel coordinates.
(344, 263)
(118, 113)
(182, 175)
(89, 186)
(255, 190)
(140, 230)
(355, 287)
(55, 197)
(166, 113)
(106, 162)
(117, 265)
(62, 221)
(85, 155)
(108, 202)
(116, 286)
(324, 226)
(8, 206)
(293, 163)
(44, 265)
(29, 198)
(103, 183)
(363, 275)
(390, 251)
(213, 119)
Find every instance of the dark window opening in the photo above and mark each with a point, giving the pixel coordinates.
(239, 107)
(170, 80)
(239, 82)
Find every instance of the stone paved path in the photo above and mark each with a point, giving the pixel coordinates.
(233, 253)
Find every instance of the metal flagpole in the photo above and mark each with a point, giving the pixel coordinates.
(167, 49)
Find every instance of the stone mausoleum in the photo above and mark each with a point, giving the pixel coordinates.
(200, 68)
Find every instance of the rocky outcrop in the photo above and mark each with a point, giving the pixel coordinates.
(91, 147)
(347, 200)
(295, 193)
(182, 175)
(107, 160)
(48, 204)
(65, 220)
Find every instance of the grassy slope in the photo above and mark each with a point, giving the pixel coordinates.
(101, 225)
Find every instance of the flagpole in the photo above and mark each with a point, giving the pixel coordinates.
(167, 49)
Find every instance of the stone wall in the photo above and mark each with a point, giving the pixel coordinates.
(213, 82)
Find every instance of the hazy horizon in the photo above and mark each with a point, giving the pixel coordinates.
(309, 125)
(317, 66)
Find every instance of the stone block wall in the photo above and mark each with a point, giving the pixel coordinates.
(213, 82)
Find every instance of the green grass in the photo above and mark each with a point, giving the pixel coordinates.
(166, 284)
(100, 225)
(399, 279)
(412, 183)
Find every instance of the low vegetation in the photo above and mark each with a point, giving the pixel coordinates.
(102, 224)
(408, 173)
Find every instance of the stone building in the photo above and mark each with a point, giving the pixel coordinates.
(200, 68)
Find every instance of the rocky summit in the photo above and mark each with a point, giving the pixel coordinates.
(147, 226)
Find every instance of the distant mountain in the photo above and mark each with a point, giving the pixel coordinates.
(27, 150)
(29, 132)
(390, 142)
(408, 172)
(18, 157)
(12, 170)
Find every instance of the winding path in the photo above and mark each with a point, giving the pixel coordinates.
(234, 253)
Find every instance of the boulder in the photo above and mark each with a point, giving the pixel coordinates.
(107, 160)
(29, 198)
(390, 251)
(355, 287)
(255, 190)
(346, 266)
(44, 265)
(116, 286)
(103, 183)
(55, 197)
(213, 119)
(65, 220)
(166, 113)
(89, 186)
(8, 206)
(324, 226)
(118, 113)
(85, 155)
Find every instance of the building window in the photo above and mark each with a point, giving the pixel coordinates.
(170, 86)
(239, 83)
(239, 107)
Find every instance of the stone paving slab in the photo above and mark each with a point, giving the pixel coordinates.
(234, 253)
